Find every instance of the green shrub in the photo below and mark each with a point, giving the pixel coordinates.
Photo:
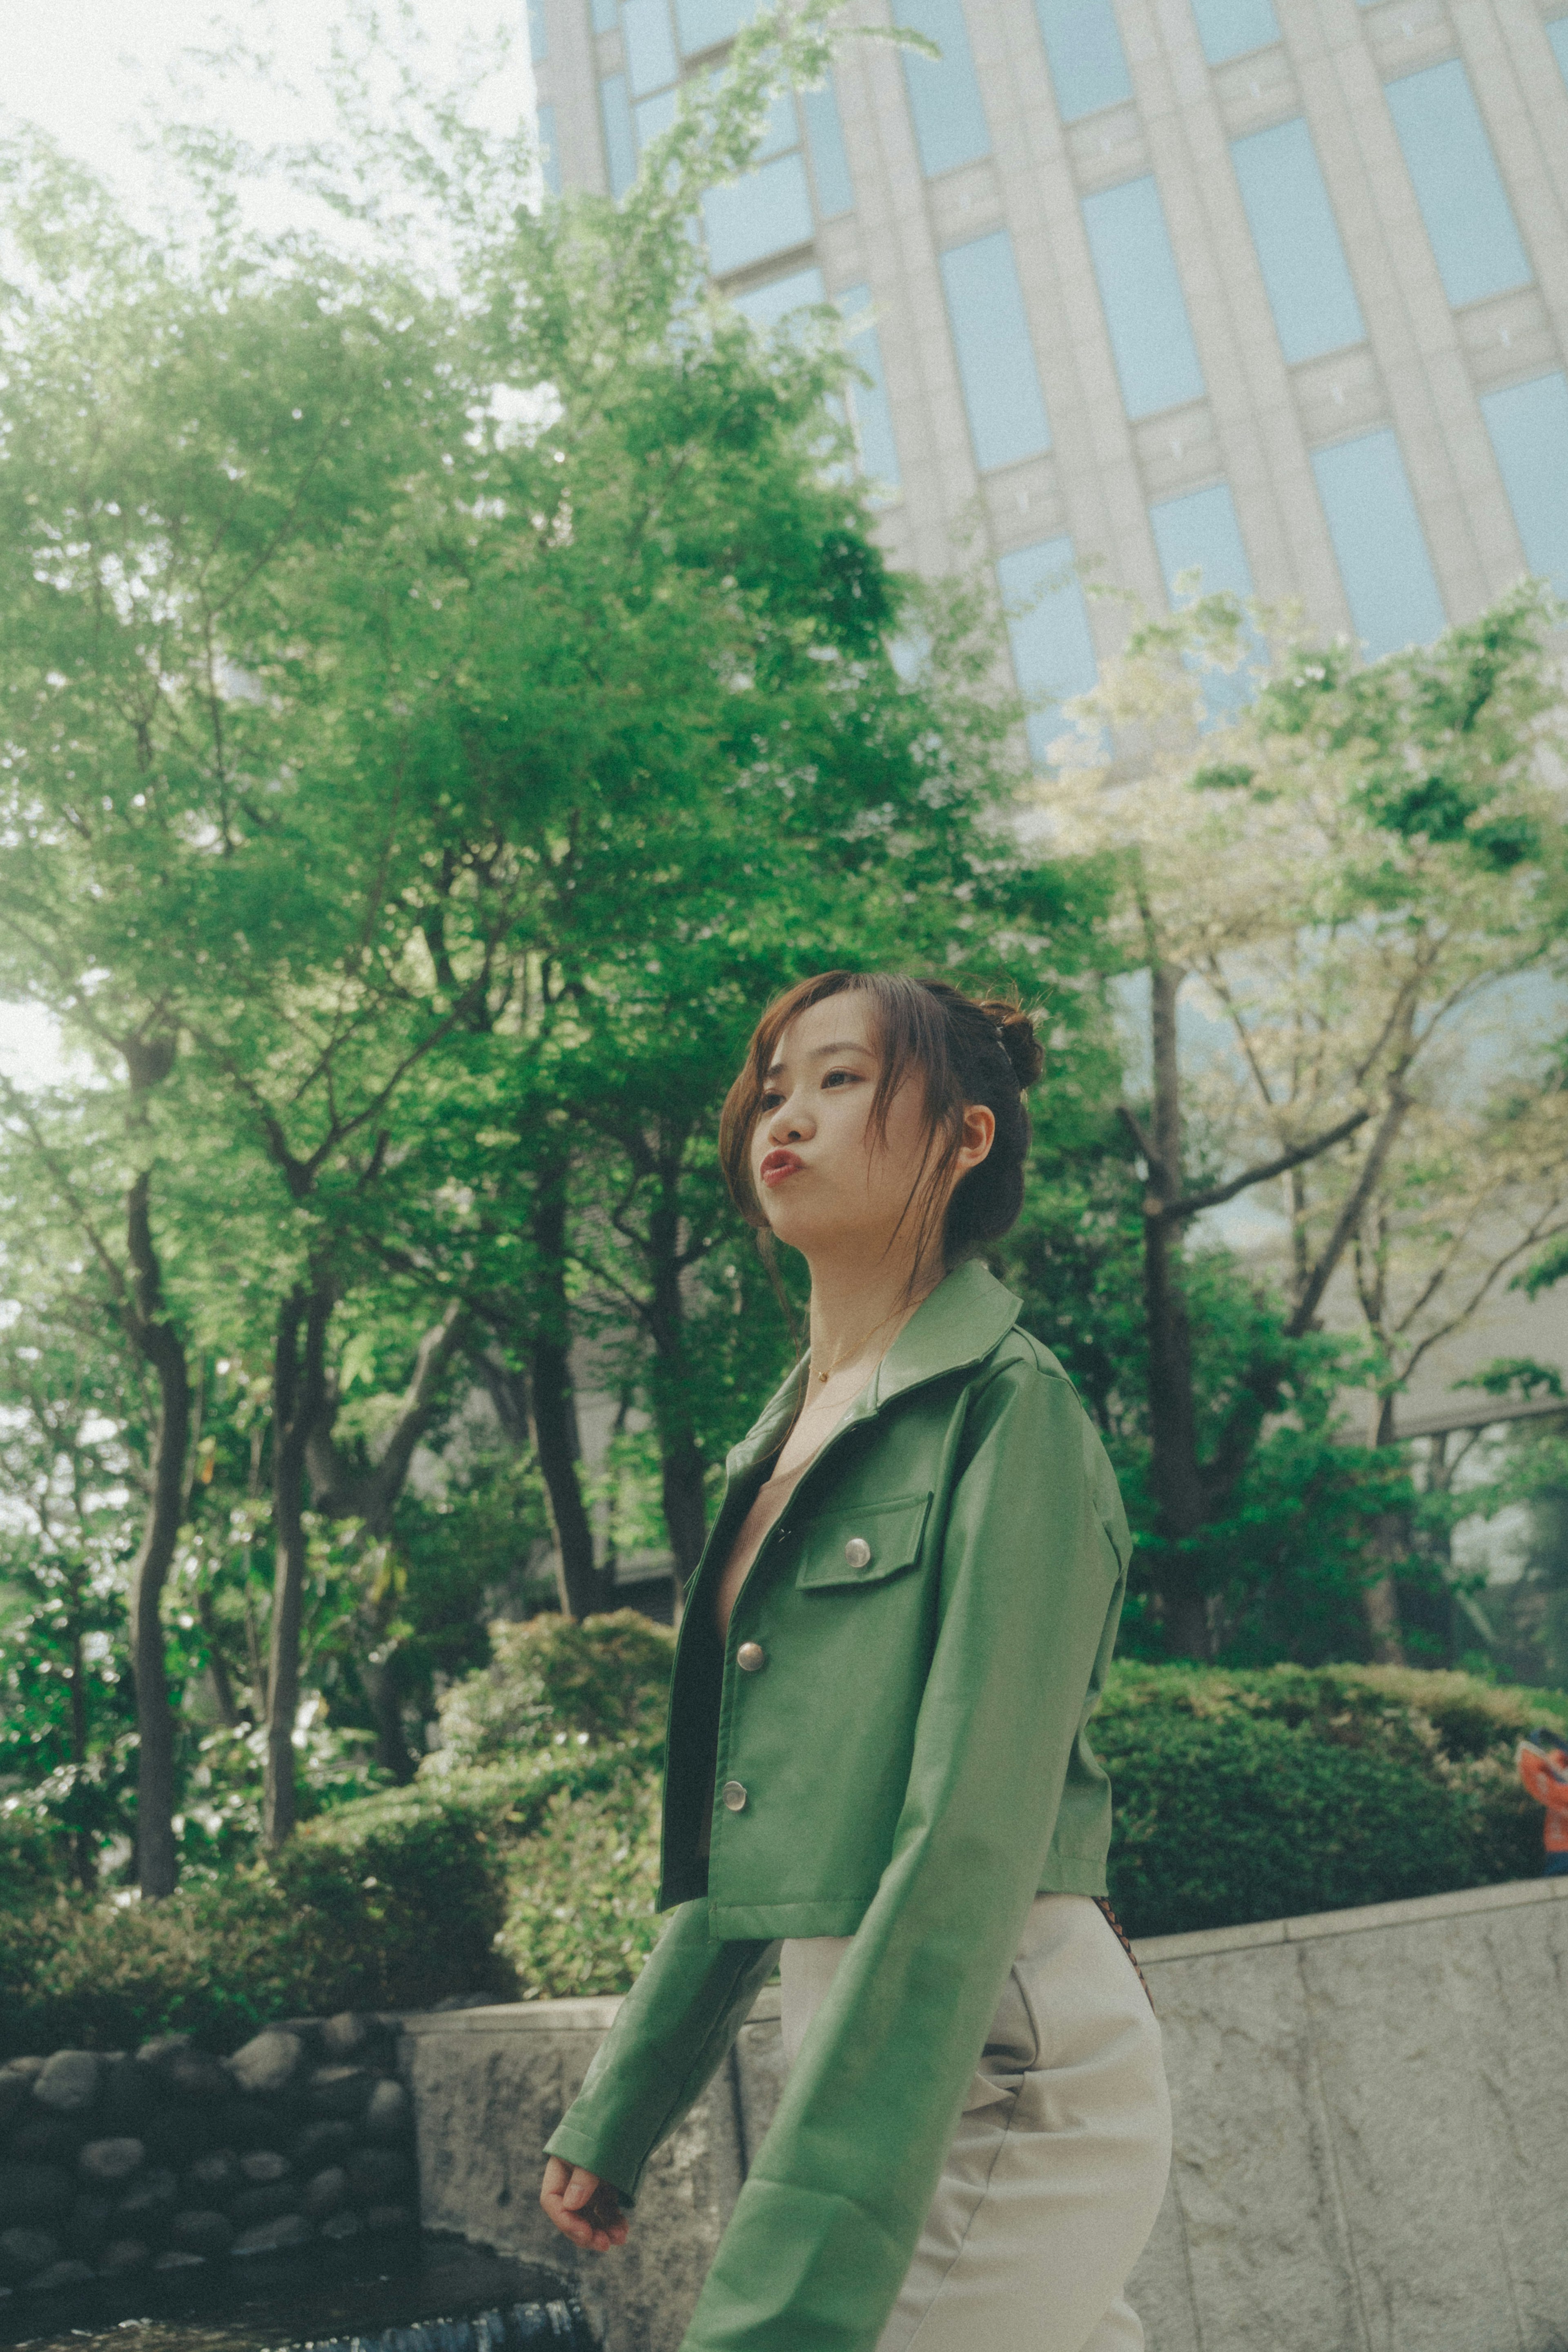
(581, 1889)
(1255, 1796)
(552, 1682)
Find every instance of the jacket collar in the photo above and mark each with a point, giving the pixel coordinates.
(959, 1324)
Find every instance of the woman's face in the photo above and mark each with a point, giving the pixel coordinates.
(825, 1181)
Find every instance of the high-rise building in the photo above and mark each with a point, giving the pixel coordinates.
(1276, 289)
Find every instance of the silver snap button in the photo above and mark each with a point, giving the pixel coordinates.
(751, 1657)
(857, 1551)
(735, 1796)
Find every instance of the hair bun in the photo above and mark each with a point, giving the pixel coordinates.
(1015, 1035)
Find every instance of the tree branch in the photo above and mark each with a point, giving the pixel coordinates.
(1218, 1193)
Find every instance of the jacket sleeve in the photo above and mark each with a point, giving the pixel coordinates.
(668, 2040)
(1030, 1590)
(1542, 1782)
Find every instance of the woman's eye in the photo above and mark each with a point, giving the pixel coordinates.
(847, 1078)
(769, 1102)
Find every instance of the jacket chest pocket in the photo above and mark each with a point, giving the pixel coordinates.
(848, 1549)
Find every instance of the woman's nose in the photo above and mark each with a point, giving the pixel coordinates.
(788, 1124)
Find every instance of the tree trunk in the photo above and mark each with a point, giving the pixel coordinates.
(299, 1393)
(160, 1344)
(84, 1846)
(683, 1481)
(217, 1665)
(378, 1676)
(552, 1411)
(1380, 1599)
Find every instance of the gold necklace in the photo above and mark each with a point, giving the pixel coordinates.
(865, 1337)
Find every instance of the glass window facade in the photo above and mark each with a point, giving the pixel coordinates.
(1557, 34)
(945, 103)
(1145, 312)
(768, 306)
(1048, 630)
(619, 141)
(703, 23)
(649, 45)
(1199, 532)
(1228, 29)
(765, 211)
(830, 163)
(1529, 428)
(602, 15)
(870, 417)
(1458, 185)
(538, 32)
(549, 161)
(994, 351)
(1083, 49)
(1297, 238)
(1377, 539)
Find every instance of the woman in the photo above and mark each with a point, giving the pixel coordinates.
(877, 1755)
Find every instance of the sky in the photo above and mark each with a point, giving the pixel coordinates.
(92, 72)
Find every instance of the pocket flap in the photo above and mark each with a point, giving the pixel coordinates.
(865, 1545)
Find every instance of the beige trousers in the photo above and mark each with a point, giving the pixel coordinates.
(1055, 2173)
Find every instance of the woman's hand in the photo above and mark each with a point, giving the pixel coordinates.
(584, 2208)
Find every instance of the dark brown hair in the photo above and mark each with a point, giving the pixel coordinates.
(966, 1050)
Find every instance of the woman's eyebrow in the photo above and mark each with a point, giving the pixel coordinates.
(821, 1054)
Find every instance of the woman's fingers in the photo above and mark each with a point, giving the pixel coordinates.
(583, 2206)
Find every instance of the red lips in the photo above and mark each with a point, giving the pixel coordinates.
(777, 1165)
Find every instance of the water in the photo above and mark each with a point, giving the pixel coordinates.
(353, 2290)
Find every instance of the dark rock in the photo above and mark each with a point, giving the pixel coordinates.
(279, 2237)
(347, 2035)
(29, 2068)
(176, 2259)
(129, 2095)
(340, 2090)
(214, 2177)
(325, 2193)
(68, 2272)
(48, 2139)
(262, 2166)
(382, 2219)
(175, 2134)
(35, 2192)
(123, 2255)
(148, 2203)
(161, 2048)
(269, 2062)
(89, 2225)
(339, 2226)
(16, 2090)
(389, 2113)
(69, 2082)
(264, 2122)
(107, 2162)
(201, 2231)
(196, 2074)
(320, 2141)
(253, 2205)
(24, 2253)
(376, 2175)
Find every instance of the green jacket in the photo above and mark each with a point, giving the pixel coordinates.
(907, 1764)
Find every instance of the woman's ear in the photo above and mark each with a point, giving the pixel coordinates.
(979, 1134)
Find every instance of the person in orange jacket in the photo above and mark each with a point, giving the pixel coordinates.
(1544, 1768)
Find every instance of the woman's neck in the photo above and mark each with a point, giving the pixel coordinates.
(858, 1311)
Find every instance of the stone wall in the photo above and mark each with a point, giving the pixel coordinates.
(114, 2163)
(1371, 2136)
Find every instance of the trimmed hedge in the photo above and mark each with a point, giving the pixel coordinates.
(1239, 1797)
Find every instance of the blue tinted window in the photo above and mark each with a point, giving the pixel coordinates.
(604, 19)
(950, 124)
(1088, 66)
(701, 23)
(550, 161)
(766, 306)
(620, 146)
(1529, 428)
(829, 164)
(538, 32)
(766, 212)
(870, 414)
(1228, 29)
(1458, 186)
(1199, 532)
(1297, 238)
(1557, 34)
(1144, 310)
(650, 51)
(780, 131)
(1048, 629)
(652, 115)
(1378, 537)
(994, 355)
